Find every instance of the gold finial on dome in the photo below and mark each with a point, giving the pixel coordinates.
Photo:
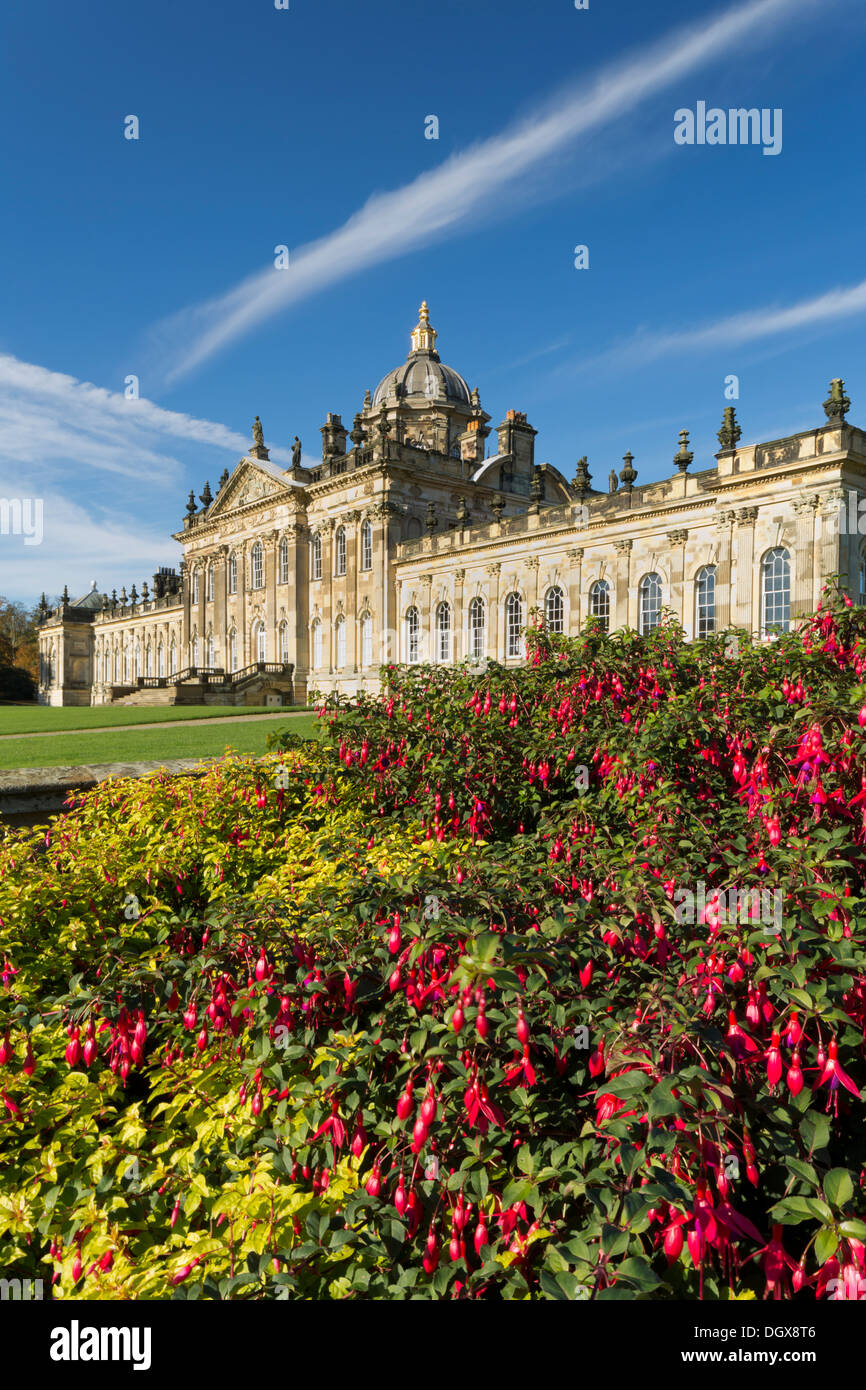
(424, 337)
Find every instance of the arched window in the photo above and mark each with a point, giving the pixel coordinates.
(209, 590)
(196, 592)
(258, 565)
(366, 640)
(366, 545)
(148, 660)
(284, 561)
(117, 659)
(172, 658)
(160, 660)
(317, 644)
(413, 529)
(599, 602)
(136, 657)
(476, 628)
(340, 551)
(261, 643)
(443, 632)
(340, 634)
(233, 650)
(705, 602)
(554, 609)
(649, 603)
(775, 591)
(194, 651)
(211, 651)
(284, 642)
(413, 636)
(98, 666)
(233, 574)
(317, 557)
(513, 625)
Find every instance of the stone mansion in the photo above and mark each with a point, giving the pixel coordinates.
(415, 541)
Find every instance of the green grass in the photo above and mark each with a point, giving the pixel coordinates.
(147, 745)
(42, 719)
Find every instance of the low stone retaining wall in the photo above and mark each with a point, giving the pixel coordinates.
(27, 793)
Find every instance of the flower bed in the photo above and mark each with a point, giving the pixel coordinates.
(546, 983)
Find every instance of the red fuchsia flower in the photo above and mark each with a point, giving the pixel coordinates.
(522, 1074)
(774, 1062)
(794, 1032)
(741, 1043)
(775, 1262)
(833, 1076)
(794, 1078)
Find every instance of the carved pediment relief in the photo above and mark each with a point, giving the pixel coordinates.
(251, 484)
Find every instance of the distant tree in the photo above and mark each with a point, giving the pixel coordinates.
(16, 684)
(19, 636)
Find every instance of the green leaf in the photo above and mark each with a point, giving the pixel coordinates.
(826, 1243)
(838, 1186)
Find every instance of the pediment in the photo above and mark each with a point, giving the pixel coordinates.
(248, 484)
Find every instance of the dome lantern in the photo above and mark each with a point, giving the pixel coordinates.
(424, 336)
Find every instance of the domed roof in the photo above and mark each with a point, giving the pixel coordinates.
(423, 374)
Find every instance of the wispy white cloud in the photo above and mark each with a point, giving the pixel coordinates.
(466, 187)
(735, 330)
(47, 415)
(59, 435)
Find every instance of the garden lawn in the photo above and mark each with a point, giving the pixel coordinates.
(39, 719)
(147, 745)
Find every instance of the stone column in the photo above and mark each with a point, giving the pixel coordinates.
(621, 615)
(427, 635)
(532, 584)
(724, 522)
(744, 615)
(241, 606)
(186, 633)
(201, 616)
(831, 541)
(677, 541)
(493, 571)
(298, 610)
(269, 548)
(220, 607)
(803, 559)
(387, 512)
(352, 522)
(327, 534)
(575, 555)
(461, 644)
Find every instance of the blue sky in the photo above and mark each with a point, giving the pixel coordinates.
(306, 127)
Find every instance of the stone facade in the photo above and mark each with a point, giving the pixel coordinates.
(412, 541)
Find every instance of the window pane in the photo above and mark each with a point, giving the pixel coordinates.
(513, 625)
(476, 629)
(554, 610)
(776, 591)
(443, 632)
(650, 602)
(705, 602)
(599, 602)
